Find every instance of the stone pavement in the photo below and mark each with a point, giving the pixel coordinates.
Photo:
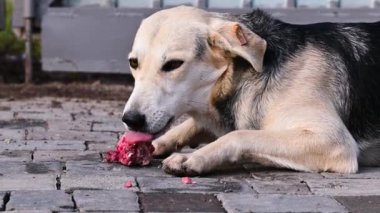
(51, 161)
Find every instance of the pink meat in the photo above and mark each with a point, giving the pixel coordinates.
(133, 148)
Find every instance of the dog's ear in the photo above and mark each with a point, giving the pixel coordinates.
(238, 40)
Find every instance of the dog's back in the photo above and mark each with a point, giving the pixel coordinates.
(352, 53)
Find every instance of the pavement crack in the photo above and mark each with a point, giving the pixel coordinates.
(74, 202)
(73, 118)
(86, 146)
(6, 199)
(58, 182)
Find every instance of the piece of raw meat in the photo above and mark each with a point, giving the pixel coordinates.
(133, 148)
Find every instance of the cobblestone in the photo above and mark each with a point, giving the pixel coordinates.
(16, 182)
(345, 187)
(279, 203)
(37, 200)
(96, 182)
(201, 185)
(104, 200)
(65, 155)
(14, 168)
(15, 155)
(51, 161)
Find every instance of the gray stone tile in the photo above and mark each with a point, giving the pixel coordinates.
(47, 114)
(96, 182)
(109, 126)
(60, 145)
(101, 146)
(345, 187)
(233, 202)
(13, 168)
(6, 115)
(39, 134)
(103, 168)
(104, 200)
(175, 185)
(15, 155)
(16, 134)
(65, 155)
(40, 200)
(360, 204)
(364, 173)
(175, 202)
(59, 125)
(10, 145)
(279, 186)
(285, 175)
(31, 145)
(28, 211)
(27, 182)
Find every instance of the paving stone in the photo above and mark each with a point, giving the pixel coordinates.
(10, 144)
(36, 200)
(12, 168)
(174, 202)
(279, 186)
(233, 202)
(16, 134)
(285, 175)
(109, 126)
(47, 114)
(103, 168)
(364, 173)
(104, 200)
(101, 146)
(360, 204)
(23, 123)
(28, 211)
(6, 115)
(82, 182)
(59, 125)
(27, 182)
(38, 134)
(202, 185)
(65, 155)
(345, 187)
(15, 155)
(32, 145)
(97, 119)
(56, 145)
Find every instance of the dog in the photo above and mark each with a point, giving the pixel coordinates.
(302, 97)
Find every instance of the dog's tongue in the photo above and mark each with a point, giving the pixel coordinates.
(134, 137)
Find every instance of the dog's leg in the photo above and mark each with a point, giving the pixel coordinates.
(302, 150)
(176, 138)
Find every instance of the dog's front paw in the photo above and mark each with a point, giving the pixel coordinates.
(183, 164)
(162, 148)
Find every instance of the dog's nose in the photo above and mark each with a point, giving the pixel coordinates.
(134, 120)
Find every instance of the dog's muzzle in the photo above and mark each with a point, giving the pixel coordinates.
(155, 124)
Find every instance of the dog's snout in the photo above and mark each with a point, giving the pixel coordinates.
(134, 120)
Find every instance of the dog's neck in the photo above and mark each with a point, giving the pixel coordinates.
(237, 101)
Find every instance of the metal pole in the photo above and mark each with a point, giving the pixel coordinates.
(28, 21)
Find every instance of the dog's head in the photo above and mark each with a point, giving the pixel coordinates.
(178, 56)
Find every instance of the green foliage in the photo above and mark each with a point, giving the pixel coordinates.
(9, 43)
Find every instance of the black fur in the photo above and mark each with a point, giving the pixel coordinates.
(339, 42)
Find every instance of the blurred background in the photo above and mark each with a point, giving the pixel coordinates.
(62, 44)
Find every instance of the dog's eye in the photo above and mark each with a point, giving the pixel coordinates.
(171, 65)
(134, 63)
